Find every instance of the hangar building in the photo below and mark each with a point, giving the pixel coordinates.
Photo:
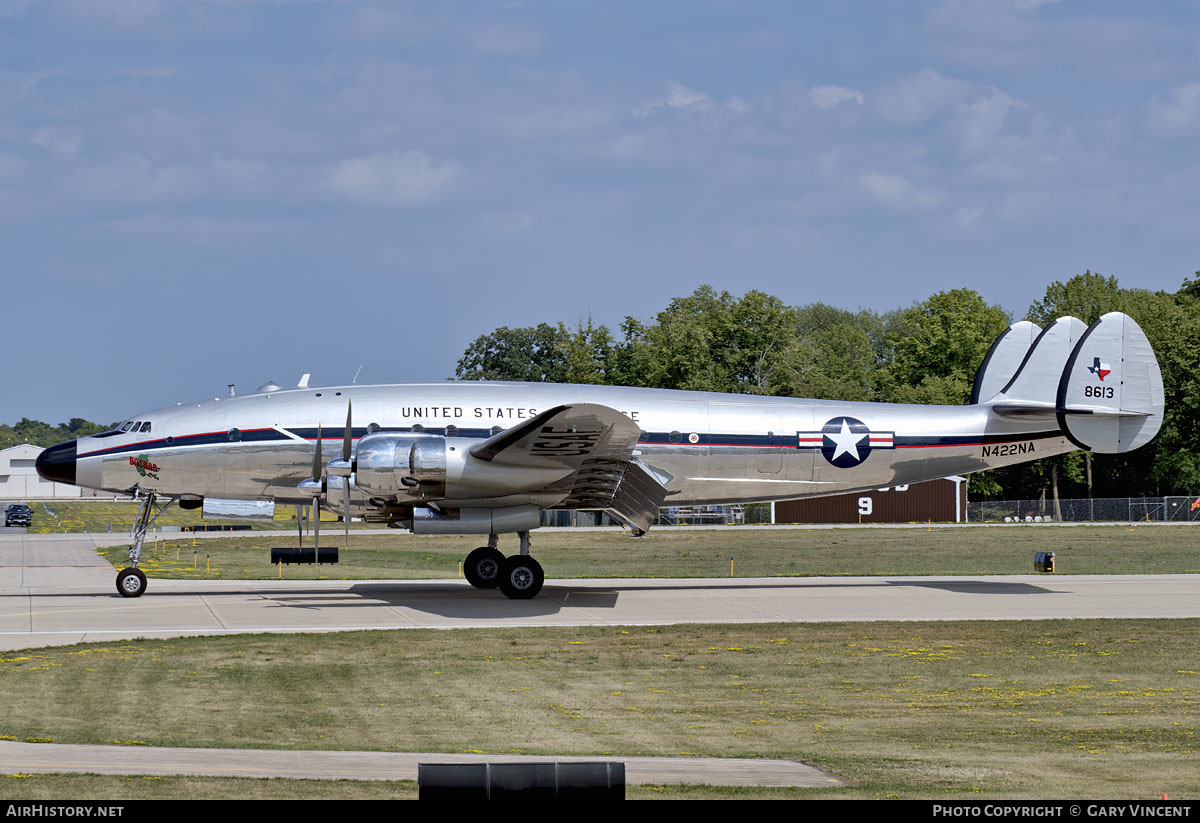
(19, 479)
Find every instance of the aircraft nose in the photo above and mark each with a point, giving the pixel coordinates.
(57, 463)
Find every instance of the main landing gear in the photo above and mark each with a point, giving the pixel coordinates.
(519, 576)
(131, 581)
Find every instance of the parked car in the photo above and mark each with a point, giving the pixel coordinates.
(18, 514)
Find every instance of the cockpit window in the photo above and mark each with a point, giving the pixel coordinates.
(126, 426)
(146, 426)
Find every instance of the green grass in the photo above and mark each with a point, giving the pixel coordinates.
(1097, 708)
(1115, 549)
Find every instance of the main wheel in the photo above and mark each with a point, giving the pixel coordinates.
(521, 577)
(482, 568)
(131, 583)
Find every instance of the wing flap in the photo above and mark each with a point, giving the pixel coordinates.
(626, 489)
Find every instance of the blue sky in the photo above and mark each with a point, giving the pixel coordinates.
(204, 192)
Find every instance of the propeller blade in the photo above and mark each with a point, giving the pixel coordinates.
(317, 465)
(346, 480)
(316, 516)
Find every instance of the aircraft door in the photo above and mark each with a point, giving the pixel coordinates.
(798, 458)
(770, 450)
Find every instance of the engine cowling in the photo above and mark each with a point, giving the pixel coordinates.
(406, 464)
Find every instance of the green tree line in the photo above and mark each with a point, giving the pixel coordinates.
(43, 434)
(924, 353)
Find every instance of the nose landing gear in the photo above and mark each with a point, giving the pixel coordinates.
(131, 581)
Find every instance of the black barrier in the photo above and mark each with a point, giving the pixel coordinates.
(293, 555)
(524, 781)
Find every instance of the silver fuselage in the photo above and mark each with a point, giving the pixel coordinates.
(714, 448)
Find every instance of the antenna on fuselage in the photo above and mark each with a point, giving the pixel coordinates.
(303, 384)
(357, 373)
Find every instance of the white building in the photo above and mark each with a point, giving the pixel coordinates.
(19, 479)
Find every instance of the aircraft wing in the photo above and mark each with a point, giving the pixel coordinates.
(595, 445)
(564, 436)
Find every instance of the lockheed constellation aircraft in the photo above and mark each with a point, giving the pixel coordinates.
(486, 458)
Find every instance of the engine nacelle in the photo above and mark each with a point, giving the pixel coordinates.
(408, 464)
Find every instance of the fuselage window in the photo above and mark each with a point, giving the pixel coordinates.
(676, 437)
(452, 430)
(234, 435)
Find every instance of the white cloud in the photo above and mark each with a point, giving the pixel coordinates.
(896, 192)
(978, 122)
(918, 97)
(62, 142)
(397, 179)
(1177, 114)
(966, 218)
(678, 97)
(681, 97)
(826, 97)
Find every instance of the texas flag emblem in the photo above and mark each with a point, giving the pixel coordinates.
(1099, 369)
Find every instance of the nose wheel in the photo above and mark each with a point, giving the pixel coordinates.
(131, 583)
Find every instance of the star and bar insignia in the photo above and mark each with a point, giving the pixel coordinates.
(845, 441)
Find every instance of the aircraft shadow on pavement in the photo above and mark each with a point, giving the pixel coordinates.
(976, 586)
(455, 600)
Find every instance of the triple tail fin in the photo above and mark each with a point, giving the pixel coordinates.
(1102, 382)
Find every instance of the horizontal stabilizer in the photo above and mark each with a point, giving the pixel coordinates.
(1110, 395)
(1003, 359)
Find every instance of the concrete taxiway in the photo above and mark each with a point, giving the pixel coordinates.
(56, 590)
(341, 765)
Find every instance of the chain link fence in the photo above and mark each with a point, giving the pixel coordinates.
(1101, 509)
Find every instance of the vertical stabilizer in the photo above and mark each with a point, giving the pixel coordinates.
(1034, 386)
(1110, 395)
(1003, 359)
